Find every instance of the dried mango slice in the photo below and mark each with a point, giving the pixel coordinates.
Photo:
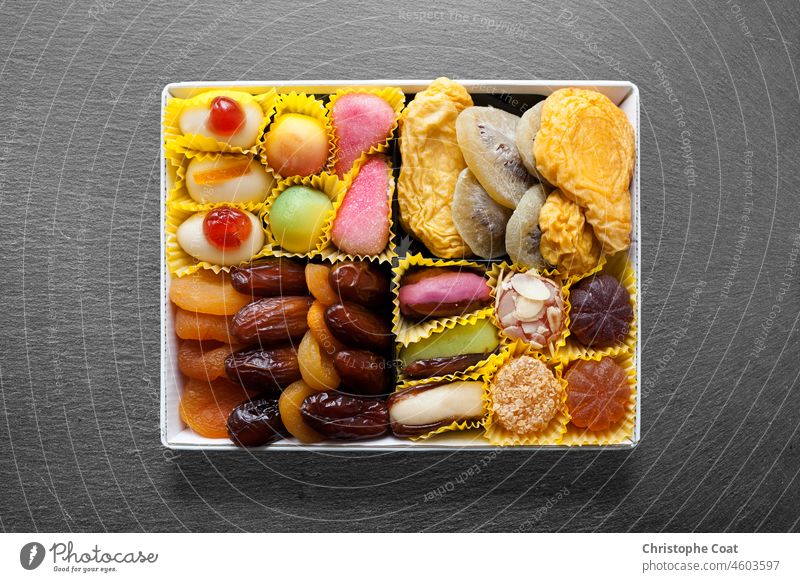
(432, 162)
(567, 240)
(585, 146)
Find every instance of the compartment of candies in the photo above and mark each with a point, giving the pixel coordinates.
(292, 174)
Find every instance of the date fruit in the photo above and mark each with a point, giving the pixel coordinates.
(363, 372)
(360, 283)
(442, 366)
(270, 277)
(255, 423)
(358, 327)
(342, 416)
(262, 370)
(273, 320)
(419, 410)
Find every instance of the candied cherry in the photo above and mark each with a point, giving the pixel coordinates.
(226, 117)
(226, 227)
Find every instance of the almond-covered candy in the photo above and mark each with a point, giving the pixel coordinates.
(530, 308)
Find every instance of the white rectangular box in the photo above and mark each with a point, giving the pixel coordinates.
(175, 435)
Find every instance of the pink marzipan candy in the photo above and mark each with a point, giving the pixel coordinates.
(361, 121)
(361, 226)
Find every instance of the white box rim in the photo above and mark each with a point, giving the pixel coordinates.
(542, 87)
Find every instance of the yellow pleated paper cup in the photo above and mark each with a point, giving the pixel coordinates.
(392, 95)
(181, 263)
(300, 104)
(456, 426)
(620, 267)
(553, 433)
(623, 432)
(407, 330)
(498, 269)
(178, 196)
(330, 185)
(331, 252)
(177, 141)
(472, 372)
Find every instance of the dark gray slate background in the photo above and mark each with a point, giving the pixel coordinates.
(79, 231)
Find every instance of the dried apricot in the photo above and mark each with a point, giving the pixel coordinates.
(316, 323)
(318, 281)
(205, 406)
(289, 405)
(190, 325)
(203, 361)
(207, 292)
(316, 367)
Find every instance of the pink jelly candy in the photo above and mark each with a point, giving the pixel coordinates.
(361, 121)
(361, 226)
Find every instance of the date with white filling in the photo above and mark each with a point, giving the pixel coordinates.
(419, 410)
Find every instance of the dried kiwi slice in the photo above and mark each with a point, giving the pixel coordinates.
(526, 133)
(479, 220)
(522, 231)
(486, 138)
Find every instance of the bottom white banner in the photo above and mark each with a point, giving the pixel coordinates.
(406, 557)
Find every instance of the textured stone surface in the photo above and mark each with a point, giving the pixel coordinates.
(79, 228)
